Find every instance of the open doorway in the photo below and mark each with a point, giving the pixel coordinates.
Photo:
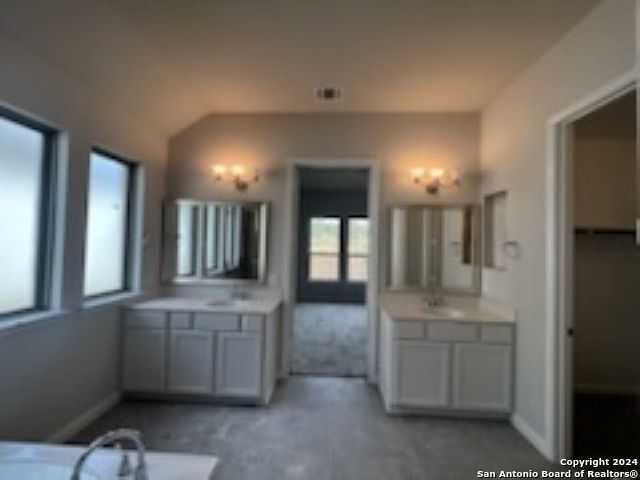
(330, 318)
(606, 278)
(594, 259)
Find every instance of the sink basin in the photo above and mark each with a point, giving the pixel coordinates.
(444, 312)
(40, 471)
(224, 302)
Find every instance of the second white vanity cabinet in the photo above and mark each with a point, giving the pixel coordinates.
(191, 361)
(446, 366)
(185, 347)
(238, 365)
(422, 373)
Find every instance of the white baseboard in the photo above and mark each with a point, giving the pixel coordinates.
(531, 435)
(87, 417)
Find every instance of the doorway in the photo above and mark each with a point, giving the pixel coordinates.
(330, 315)
(595, 256)
(606, 276)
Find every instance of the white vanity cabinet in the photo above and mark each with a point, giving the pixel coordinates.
(446, 366)
(238, 366)
(482, 377)
(171, 350)
(191, 361)
(421, 373)
(144, 352)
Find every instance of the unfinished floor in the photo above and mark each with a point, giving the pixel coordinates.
(329, 339)
(324, 429)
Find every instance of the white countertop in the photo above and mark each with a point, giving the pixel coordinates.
(186, 304)
(412, 307)
(104, 463)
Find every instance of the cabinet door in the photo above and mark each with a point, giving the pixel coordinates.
(421, 373)
(191, 360)
(239, 364)
(144, 360)
(482, 377)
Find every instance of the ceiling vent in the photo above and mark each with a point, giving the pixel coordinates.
(328, 94)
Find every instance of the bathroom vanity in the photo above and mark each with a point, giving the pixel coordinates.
(455, 359)
(199, 348)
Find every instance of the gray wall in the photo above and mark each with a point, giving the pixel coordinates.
(513, 156)
(54, 370)
(269, 142)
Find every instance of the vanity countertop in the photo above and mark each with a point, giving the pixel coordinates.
(104, 462)
(185, 304)
(412, 308)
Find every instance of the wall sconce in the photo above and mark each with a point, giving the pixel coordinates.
(435, 179)
(239, 175)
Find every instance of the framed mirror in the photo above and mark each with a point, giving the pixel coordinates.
(215, 242)
(435, 247)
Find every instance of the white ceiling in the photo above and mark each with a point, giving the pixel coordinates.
(174, 61)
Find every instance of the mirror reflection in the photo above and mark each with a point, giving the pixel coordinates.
(219, 241)
(434, 247)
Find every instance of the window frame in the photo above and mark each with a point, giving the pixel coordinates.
(129, 225)
(46, 213)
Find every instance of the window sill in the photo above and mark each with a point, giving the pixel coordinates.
(31, 320)
(111, 300)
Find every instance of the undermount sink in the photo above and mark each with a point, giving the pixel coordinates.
(223, 302)
(444, 312)
(40, 471)
(226, 302)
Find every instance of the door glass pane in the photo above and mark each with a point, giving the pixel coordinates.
(324, 268)
(357, 265)
(106, 238)
(324, 249)
(21, 157)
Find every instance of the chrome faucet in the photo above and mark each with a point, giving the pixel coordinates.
(238, 293)
(432, 299)
(140, 472)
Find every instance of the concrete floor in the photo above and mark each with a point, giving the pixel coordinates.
(329, 339)
(321, 428)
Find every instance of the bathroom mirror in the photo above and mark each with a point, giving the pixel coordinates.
(215, 242)
(435, 247)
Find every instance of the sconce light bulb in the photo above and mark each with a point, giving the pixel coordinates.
(417, 173)
(238, 170)
(437, 173)
(219, 170)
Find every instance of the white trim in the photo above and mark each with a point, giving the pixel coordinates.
(531, 435)
(290, 245)
(84, 419)
(559, 254)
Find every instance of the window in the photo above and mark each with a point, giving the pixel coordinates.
(324, 249)
(108, 219)
(358, 254)
(26, 167)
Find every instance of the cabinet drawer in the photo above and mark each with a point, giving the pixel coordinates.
(496, 334)
(452, 332)
(144, 319)
(180, 320)
(408, 329)
(216, 321)
(252, 323)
